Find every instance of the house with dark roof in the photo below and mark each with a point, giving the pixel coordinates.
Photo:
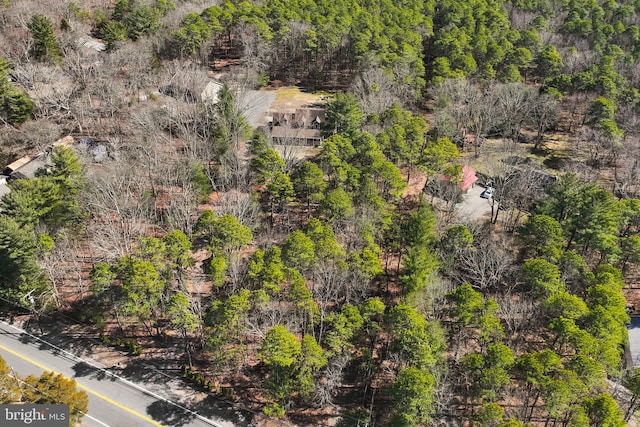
(21, 169)
(301, 126)
(27, 166)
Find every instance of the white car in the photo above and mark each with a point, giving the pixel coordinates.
(487, 193)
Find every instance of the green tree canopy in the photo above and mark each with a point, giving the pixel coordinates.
(51, 388)
(541, 278)
(437, 155)
(418, 342)
(549, 62)
(225, 232)
(45, 46)
(343, 116)
(603, 411)
(308, 183)
(543, 237)
(15, 105)
(412, 393)
(298, 251)
(280, 348)
(337, 205)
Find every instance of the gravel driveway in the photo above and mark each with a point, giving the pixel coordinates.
(473, 207)
(255, 105)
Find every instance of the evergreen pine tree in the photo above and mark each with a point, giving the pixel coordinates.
(45, 46)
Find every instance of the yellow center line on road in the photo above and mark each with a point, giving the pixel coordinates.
(95, 393)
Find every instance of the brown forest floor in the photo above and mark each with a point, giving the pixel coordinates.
(557, 150)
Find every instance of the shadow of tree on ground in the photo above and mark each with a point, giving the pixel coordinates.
(171, 415)
(83, 369)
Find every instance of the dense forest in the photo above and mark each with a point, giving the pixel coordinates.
(338, 286)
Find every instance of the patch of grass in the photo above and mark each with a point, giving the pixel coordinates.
(554, 153)
(288, 93)
(291, 97)
(294, 95)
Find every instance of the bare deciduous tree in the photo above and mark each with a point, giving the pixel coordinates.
(627, 172)
(521, 192)
(184, 82)
(454, 100)
(488, 265)
(39, 134)
(66, 266)
(332, 375)
(328, 285)
(517, 313)
(513, 107)
(256, 54)
(374, 90)
(544, 115)
(122, 209)
(599, 149)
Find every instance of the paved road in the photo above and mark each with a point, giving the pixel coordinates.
(113, 401)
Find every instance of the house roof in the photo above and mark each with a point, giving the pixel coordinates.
(634, 340)
(92, 43)
(65, 141)
(295, 133)
(27, 166)
(302, 116)
(468, 177)
(17, 164)
(29, 169)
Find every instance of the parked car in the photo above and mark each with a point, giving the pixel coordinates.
(487, 193)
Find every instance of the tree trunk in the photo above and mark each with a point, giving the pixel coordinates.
(631, 409)
(525, 405)
(570, 241)
(187, 347)
(497, 212)
(533, 405)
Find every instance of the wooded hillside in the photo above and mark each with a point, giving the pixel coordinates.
(337, 283)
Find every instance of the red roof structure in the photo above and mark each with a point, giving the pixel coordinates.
(468, 178)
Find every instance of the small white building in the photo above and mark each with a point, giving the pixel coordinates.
(4, 188)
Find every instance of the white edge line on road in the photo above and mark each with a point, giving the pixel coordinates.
(121, 379)
(96, 420)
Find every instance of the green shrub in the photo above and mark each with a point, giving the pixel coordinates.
(274, 410)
